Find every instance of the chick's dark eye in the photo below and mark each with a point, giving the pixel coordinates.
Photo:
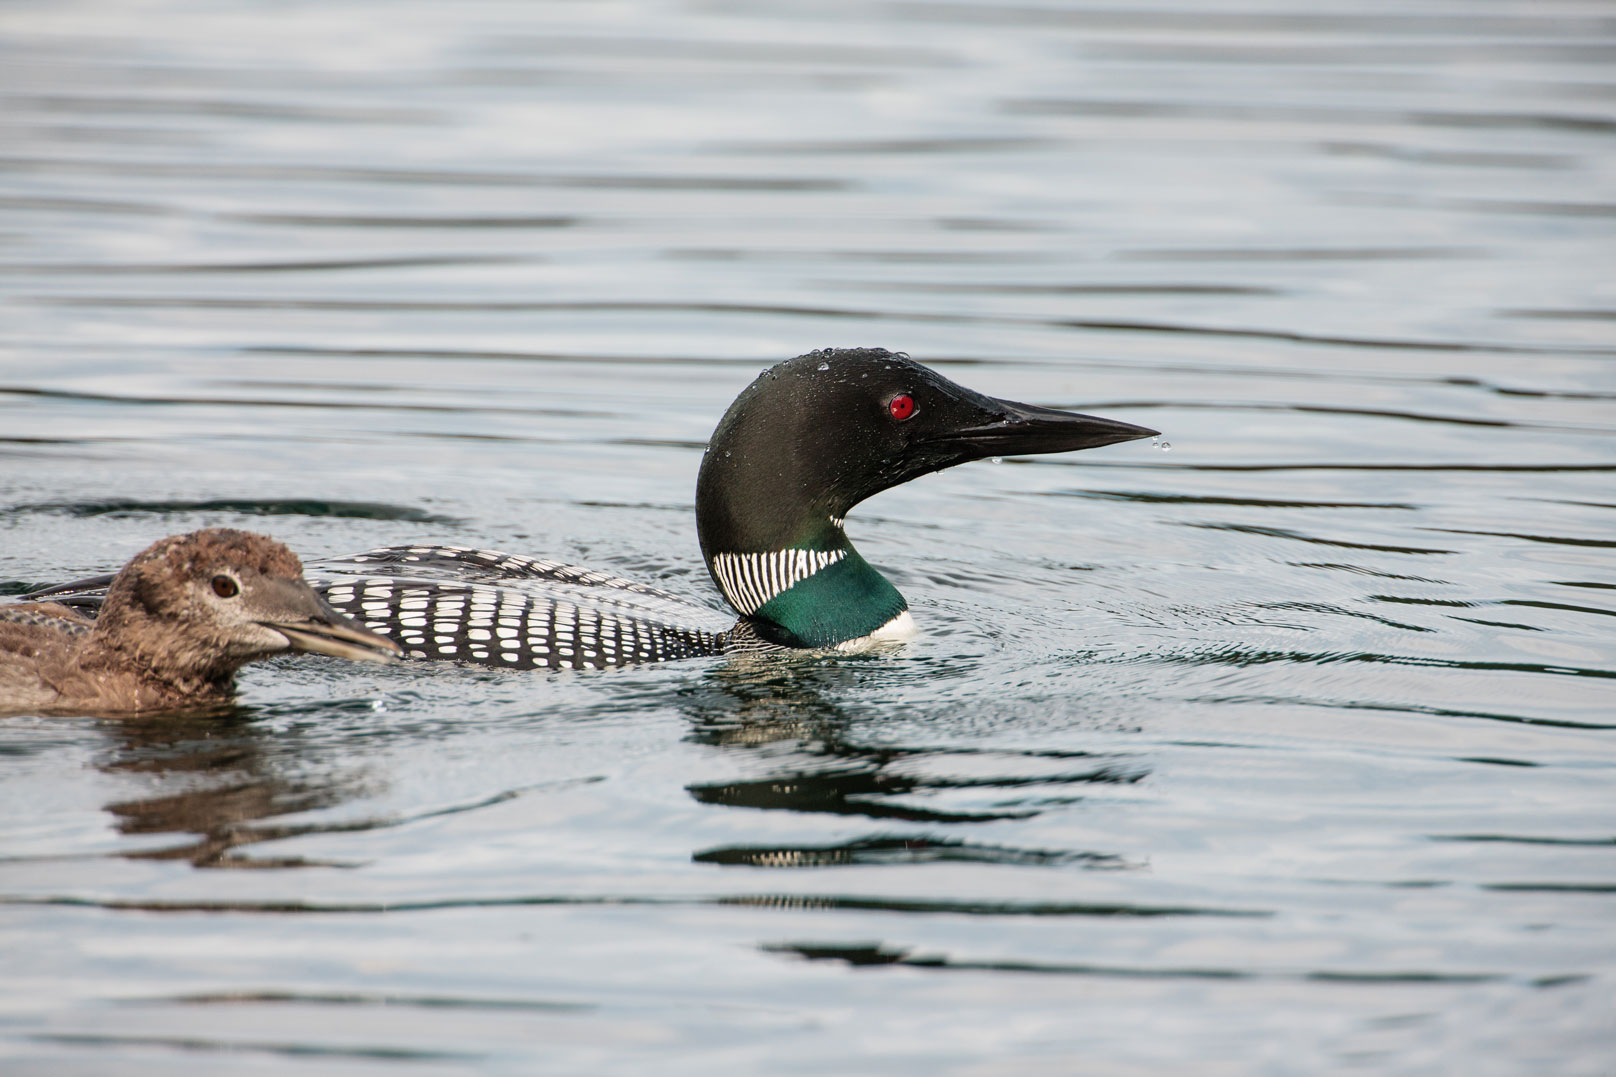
(225, 587)
(901, 407)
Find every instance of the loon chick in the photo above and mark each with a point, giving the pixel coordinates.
(177, 622)
(809, 439)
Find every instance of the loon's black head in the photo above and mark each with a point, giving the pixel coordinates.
(814, 436)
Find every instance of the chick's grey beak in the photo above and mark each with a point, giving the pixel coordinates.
(322, 630)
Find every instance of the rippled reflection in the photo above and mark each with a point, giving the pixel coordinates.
(766, 705)
(218, 782)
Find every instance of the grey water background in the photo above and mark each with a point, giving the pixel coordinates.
(1288, 750)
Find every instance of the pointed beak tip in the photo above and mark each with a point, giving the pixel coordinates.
(1114, 431)
(1143, 432)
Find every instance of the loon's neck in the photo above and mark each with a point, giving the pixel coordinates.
(818, 593)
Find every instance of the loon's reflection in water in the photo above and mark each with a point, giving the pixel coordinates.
(819, 760)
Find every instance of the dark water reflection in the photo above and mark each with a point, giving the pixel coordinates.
(777, 704)
(218, 779)
(1286, 750)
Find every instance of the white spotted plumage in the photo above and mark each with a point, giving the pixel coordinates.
(515, 612)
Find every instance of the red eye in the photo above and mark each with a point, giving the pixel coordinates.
(901, 407)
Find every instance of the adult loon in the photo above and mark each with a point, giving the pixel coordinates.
(176, 624)
(809, 439)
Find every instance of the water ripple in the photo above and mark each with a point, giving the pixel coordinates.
(359, 510)
(828, 902)
(866, 955)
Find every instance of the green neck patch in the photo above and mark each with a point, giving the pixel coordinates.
(842, 601)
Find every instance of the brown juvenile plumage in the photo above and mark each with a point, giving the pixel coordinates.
(179, 620)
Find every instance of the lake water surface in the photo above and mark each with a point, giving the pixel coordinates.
(1290, 749)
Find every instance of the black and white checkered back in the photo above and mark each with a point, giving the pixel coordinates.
(511, 612)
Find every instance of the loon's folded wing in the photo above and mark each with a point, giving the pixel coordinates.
(512, 612)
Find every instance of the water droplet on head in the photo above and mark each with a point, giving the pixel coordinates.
(824, 366)
(726, 452)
